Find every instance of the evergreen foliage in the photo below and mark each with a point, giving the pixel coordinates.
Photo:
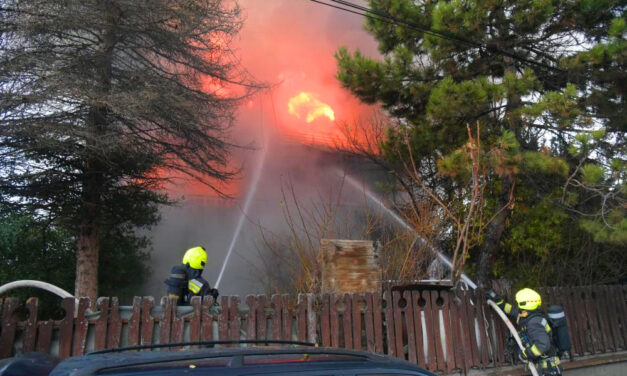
(99, 100)
(545, 79)
(34, 248)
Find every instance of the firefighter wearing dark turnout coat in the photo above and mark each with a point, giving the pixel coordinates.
(186, 281)
(534, 329)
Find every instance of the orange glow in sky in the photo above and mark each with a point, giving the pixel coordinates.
(291, 45)
(307, 105)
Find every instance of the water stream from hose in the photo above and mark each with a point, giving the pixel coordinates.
(361, 187)
(371, 196)
(249, 198)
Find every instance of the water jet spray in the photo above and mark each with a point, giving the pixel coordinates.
(349, 179)
(249, 197)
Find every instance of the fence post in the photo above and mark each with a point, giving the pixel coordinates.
(7, 335)
(66, 327)
(334, 320)
(617, 320)
(369, 322)
(347, 322)
(262, 318)
(377, 314)
(582, 323)
(234, 318)
(410, 325)
(286, 317)
(597, 345)
(356, 299)
(468, 331)
(194, 324)
(483, 338)
(114, 325)
(30, 332)
(325, 322)
(277, 308)
(165, 323)
(311, 320)
(147, 321)
(100, 340)
(223, 318)
(80, 327)
(302, 317)
(178, 330)
(389, 323)
(207, 319)
(458, 341)
(448, 332)
(135, 322)
(251, 320)
(44, 336)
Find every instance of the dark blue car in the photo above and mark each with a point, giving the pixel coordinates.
(227, 361)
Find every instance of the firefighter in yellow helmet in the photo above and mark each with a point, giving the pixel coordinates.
(534, 329)
(186, 280)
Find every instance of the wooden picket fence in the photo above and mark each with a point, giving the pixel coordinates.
(443, 331)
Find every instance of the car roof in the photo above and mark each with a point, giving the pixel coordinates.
(96, 363)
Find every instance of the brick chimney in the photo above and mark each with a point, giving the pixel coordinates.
(349, 266)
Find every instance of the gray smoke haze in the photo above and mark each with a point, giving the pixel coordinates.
(291, 44)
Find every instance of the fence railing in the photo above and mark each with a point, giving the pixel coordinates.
(442, 331)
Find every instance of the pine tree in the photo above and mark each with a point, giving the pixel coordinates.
(99, 100)
(507, 64)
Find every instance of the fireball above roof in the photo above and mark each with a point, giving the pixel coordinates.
(307, 105)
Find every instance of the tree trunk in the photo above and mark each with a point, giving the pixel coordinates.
(87, 244)
(94, 182)
(496, 228)
(88, 249)
(494, 233)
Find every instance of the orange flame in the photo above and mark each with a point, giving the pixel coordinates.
(311, 107)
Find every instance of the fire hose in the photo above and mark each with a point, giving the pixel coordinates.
(514, 332)
(40, 285)
(442, 258)
(496, 308)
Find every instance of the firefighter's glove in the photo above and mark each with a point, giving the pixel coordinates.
(215, 294)
(491, 295)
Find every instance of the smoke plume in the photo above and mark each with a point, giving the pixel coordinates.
(288, 44)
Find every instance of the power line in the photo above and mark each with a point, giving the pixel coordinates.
(390, 19)
(373, 15)
(396, 20)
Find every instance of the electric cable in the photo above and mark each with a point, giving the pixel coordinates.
(390, 19)
(448, 35)
(396, 20)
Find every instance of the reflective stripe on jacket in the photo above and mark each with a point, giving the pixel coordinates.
(198, 286)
